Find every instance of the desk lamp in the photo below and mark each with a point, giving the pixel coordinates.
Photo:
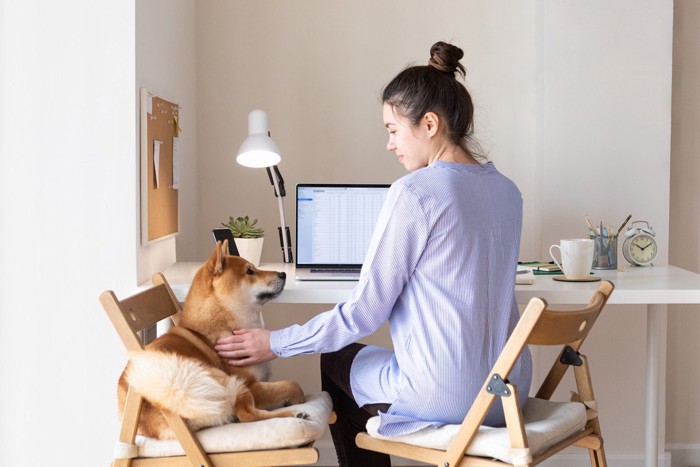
(258, 151)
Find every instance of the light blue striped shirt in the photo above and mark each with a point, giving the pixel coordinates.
(441, 268)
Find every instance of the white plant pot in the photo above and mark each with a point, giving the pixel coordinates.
(250, 249)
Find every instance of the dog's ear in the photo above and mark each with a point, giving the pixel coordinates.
(216, 259)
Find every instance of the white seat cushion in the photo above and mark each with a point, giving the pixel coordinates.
(274, 433)
(546, 423)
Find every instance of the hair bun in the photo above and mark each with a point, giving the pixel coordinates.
(445, 57)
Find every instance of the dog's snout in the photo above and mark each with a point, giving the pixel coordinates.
(282, 275)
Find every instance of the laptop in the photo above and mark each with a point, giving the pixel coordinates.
(334, 225)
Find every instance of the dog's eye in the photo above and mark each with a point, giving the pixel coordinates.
(250, 271)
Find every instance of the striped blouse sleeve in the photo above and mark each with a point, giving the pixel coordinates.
(397, 243)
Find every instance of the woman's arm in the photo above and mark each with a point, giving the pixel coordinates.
(397, 243)
(246, 347)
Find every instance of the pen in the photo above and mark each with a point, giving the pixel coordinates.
(623, 225)
(591, 229)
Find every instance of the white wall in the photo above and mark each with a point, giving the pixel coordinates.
(67, 200)
(606, 115)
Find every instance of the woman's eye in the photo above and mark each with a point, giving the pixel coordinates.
(250, 271)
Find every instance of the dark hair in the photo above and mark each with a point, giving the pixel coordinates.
(418, 90)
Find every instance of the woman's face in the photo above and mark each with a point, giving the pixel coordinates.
(410, 143)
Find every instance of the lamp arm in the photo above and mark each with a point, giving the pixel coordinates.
(285, 238)
(279, 188)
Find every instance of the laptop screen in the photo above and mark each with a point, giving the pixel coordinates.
(335, 223)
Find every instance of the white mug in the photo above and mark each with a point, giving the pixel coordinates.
(576, 257)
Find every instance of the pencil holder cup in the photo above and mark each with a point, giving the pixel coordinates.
(604, 252)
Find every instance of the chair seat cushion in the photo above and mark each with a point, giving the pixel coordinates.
(274, 433)
(546, 423)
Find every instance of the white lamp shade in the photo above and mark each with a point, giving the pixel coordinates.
(258, 149)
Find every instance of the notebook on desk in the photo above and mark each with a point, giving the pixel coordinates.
(334, 225)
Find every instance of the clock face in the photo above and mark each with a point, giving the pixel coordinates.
(642, 249)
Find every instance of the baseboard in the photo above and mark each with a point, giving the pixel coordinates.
(684, 455)
(615, 459)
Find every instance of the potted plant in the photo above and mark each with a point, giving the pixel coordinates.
(248, 237)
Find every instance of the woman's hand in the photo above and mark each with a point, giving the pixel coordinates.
(246, 347)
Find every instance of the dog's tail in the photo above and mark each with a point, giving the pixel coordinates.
(183, 386)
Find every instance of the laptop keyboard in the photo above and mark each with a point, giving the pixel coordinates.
(338, 271)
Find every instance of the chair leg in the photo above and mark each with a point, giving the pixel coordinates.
(585, 388)
(598, 458)
(130, 417)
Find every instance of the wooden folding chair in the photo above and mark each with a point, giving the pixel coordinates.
(132, 315)
(543, 427)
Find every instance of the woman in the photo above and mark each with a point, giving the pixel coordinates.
(440, 268)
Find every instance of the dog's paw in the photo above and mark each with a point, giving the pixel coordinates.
(303, 416)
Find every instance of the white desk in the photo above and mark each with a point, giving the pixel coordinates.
(654, 287)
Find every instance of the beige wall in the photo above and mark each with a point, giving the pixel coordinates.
(318, 67)
(166, 65)
(683, 407)
(564, 95)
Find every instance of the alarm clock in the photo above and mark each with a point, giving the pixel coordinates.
(639, 247)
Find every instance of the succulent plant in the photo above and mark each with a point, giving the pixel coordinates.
(243, 227)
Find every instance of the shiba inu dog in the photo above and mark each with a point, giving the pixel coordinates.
(182, 373)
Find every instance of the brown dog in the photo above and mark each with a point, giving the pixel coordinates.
(181, 372)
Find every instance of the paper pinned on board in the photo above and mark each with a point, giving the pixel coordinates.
(176, 163)
(156, 161)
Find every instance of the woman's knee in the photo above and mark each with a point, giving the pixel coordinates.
(327, 360)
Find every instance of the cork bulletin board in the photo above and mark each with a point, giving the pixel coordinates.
(160, 177)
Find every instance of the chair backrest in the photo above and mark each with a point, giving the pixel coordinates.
(570, 327)
(138, 312)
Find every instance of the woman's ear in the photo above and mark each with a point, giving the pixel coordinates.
(432, 122)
